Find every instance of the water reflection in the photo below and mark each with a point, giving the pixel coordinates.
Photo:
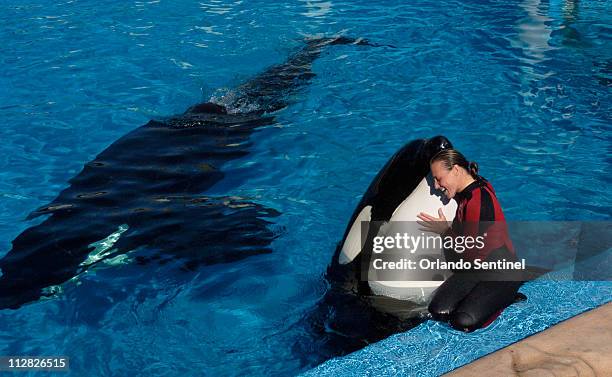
(317, 8)
(545, 28)
(534, 33)
(567, 12)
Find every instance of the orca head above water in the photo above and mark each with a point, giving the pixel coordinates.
(397, 180)
(401, 190)
(434, 145)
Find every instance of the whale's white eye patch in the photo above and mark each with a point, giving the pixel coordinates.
(353, 243)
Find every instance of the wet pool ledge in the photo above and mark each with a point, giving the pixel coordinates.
(433, 349)
(579, 346)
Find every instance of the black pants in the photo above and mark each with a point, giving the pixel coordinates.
(467, 301)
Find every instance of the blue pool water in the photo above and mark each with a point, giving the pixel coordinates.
(521, 87)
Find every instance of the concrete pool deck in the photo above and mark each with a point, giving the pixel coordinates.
(579, 346)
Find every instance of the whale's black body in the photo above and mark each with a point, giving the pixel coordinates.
(152, 184)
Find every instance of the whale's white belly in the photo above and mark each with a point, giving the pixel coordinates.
(406, 284)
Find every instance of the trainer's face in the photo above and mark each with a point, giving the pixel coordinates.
(445, 180)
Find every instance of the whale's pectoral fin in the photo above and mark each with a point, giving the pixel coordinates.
(194, 230)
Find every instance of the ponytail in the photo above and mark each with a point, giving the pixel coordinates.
(473, 169)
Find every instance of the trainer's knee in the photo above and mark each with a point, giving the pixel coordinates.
(463, 321)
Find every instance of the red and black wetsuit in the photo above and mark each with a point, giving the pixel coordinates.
(480, 214)
(467, 300)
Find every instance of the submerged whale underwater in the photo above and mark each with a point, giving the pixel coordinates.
(148, 189)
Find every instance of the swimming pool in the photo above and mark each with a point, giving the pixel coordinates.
(522, 88)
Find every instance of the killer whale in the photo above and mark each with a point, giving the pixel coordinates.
(148, 189)
(402, 183)
(354, 312)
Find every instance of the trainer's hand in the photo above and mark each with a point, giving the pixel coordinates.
(433, 224)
